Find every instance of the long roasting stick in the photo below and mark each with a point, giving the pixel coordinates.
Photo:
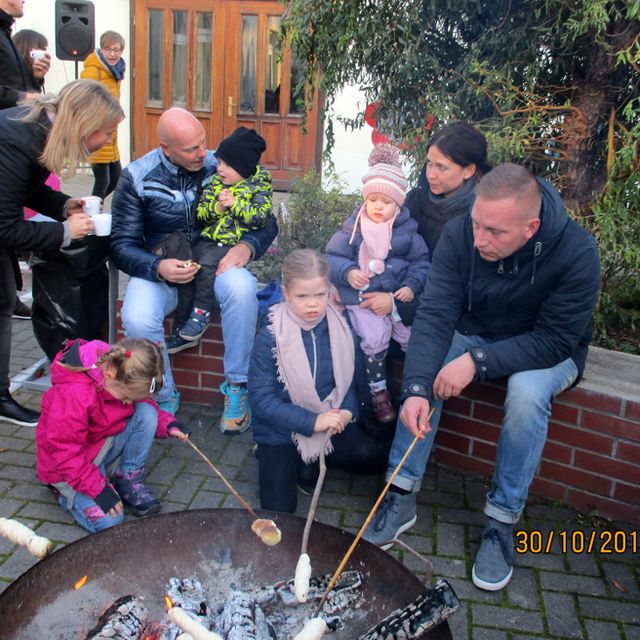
(213, 468)
(363, 528)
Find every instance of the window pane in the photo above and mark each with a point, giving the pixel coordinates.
(296, 100)
(248, 69)
(204, 24)
(155, 86)
(180, 51)
(273, 68)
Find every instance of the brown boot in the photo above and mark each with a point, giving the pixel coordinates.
(382, 406)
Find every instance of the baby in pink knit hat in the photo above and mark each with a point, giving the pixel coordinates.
(379, 250)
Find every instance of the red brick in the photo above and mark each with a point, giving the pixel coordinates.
(463, 463)
(564, 413)
(211, 348)
(472, 428)
(186, 378)
(581, 438)
(202, 396)
(557, 452)
(488, 413)
(195, 362)
(607, 507)
(629, 452)
(484, 451)
(614, 469)
(458, 405)
(575, 477)
(453, 441)
(593, 400)
(488, 393)
(548, 489)
(627, 493)
(611, 424)
(632, 410)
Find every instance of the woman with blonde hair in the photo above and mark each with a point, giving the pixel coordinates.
(44, 134)
(107, 66)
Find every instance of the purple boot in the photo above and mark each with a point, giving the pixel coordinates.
(134, 493)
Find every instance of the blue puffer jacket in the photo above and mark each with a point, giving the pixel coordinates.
(535, 306)
(274, 417)
(407, 263)
(155, 198)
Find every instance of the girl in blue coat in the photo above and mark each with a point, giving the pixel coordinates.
(301, 385)
(379, 249)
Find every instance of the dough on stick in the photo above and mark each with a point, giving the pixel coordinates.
(302, 576)
(267, 531)
(313, 630)
(19, 533)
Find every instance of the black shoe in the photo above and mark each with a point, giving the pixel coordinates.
(308, 477)
(21, 311)
(175, 343)
(11, 411)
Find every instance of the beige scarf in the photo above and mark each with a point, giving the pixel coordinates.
(294, 370)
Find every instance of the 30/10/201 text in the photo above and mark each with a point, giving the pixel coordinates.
(593, 541)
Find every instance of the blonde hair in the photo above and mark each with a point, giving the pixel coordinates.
(109, 38)
(81, 108)
(137, 363)
(304, 264)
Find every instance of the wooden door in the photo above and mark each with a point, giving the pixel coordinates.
(218, 59)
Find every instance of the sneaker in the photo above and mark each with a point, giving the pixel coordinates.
(236, 417)
(11, 411)
(493, 566)
(134, 493)
(196, 325)
(175, 343)
(171, 404)
(396, 514)
(382, 406)
(21, 311)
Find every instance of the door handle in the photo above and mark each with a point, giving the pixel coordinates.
(230, 105)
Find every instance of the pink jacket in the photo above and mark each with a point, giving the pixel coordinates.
(77, 417)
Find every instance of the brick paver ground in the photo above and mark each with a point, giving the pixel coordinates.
(557, 593)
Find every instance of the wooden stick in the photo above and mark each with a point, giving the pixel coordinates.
(213, 468)
(316, 494)
(363, 528)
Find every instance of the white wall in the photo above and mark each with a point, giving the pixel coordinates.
(351, 149)
(110, 15)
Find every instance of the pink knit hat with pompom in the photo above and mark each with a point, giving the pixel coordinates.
(385, 175)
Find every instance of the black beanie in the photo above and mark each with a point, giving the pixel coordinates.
(242, 150)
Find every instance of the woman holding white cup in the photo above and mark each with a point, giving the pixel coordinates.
(47, 133)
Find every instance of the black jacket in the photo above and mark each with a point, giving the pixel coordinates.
(535, 306)
(15, 78)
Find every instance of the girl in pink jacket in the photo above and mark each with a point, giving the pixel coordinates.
(97, 426)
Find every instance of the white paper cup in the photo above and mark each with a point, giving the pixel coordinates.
(102, 223)
(91, 205)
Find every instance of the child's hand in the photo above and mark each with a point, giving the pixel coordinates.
(404, 294)
(226, 199)
(116, 510)
(357, 279)
(176, 432)
(346, 417)
(329, 420)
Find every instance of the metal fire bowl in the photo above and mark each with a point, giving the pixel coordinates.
(216, 546)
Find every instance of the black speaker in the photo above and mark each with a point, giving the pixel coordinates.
(75, 29)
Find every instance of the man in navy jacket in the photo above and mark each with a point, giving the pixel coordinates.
(510, 294)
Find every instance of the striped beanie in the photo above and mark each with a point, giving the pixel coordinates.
(385, 175)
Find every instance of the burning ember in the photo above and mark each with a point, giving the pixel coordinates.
(81, 583)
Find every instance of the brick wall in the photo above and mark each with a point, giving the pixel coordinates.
(591, 459)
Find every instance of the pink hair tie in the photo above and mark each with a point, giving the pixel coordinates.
(127, 354)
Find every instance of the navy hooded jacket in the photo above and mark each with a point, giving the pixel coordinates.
(535, 306)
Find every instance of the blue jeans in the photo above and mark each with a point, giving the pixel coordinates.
(128, 451)
(147, 304)
(524, 431)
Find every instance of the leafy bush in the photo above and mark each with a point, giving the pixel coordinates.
(311, 216)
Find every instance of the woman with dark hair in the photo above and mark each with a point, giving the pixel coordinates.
(26, 41)
(43, 135)
(456, 159)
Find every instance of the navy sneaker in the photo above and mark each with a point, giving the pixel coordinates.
(175, 343)
(196, 325)
(493, 567)
(396, 514)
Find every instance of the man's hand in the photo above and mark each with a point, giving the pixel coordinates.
(379, 302)
(454, 377)
(357, 279)
(73, 206)
(80, 225)
(415, 415)
(404, 294)
(175, 271)
(236, 257)
(41, 66)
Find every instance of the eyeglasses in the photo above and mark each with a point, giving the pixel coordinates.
(114, 50)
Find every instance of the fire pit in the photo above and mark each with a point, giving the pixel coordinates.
(217, 547)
